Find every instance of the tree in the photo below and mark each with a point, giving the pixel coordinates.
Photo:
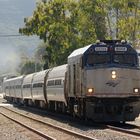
(65, 25)
(54, 22)
(40, 53)
(127, 15)
(93, 16)
(29, 67)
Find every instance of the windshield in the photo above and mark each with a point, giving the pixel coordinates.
(127, 59)
(119, 59)
(93, 59)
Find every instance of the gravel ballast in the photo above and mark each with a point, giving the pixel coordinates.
(10, 131)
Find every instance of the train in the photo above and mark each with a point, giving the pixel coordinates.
(100, 82)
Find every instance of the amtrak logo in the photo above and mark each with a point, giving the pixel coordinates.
(112, 83)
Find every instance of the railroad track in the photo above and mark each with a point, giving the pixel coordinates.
(61, 132)
(111, 127)
(133, 125)
(30, 128)
(125, 130)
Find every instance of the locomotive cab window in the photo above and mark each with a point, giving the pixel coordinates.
(111, 56)
(95, 59)
(126, 59)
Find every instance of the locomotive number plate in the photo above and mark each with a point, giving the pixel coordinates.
(104, 49)
(120, 49)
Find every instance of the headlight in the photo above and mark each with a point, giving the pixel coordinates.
(136, 90)
(90, 90)
(113, 74)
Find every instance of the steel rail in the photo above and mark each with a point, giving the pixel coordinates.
(123, 130)
(133, 125)
(30, 128)
(56, 127)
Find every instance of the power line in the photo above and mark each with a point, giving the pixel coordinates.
(8, 36)
(11, 35)
(17, 35)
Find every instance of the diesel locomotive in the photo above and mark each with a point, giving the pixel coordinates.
(100, 82)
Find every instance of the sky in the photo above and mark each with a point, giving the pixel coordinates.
(12, 14)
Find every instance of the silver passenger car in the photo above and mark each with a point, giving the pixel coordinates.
(13, 88)
(17, 83)
(55, 84)
(38, 88)
(27, 88)
(6, 87)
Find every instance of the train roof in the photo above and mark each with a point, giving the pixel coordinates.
(28, 78)
(77, 53)
(75, 56)
(57, 72)
(39, 76)
(13, 79)
(80, 51)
